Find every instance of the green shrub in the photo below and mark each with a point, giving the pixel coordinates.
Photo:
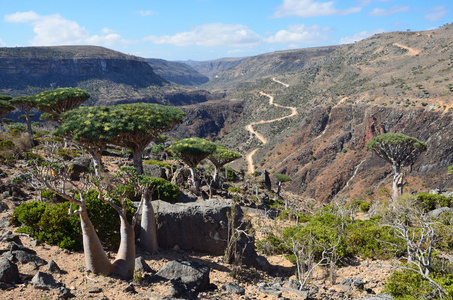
(159, 163)
(6, 145)
(288, 214)
(233, 190)
(430, 202)
(16, 129)
(406, 284)
(51, 223)
(105, 218)
(271, 245)
(32, 156)
(52, 197)
(28, 214)
(68, 154)
(163, 190)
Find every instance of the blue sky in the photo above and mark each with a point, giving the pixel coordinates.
(210, 29)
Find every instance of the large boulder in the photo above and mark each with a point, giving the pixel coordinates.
(202, 226)
(8, 271)
(187, 277)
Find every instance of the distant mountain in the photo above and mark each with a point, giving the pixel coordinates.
(177, 72)
(111, 77)
(236, 73)
(69, 65)
(211, 67)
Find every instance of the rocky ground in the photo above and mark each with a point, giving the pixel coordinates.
(63, 275)
(358, 280)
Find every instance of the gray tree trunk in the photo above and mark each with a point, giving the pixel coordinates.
(148, 231)
(138, 164)
(95, 258)
(124, 264)
(29, 129)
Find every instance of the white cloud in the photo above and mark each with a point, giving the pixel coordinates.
(311, 8)
(436, 14)
(54, 30)
(106, 30)
(300, 34)
(22, 17)
(360, 36)
(390, 11)
(2, 44)
(146, 13)
(216, 34)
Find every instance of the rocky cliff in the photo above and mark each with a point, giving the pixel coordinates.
(326, 155)
(48, 67)
(177, 72)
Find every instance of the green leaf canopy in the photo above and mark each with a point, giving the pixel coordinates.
(193, 150)
(58, 101)
(140, 123)
(221, 156)
(397, 148)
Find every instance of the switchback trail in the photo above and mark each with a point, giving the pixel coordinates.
(249, 127)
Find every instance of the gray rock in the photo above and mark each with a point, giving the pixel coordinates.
(353, 282)
(141, 265)
(8, 271)
(129, 288)
(451, 259)
(233, 288)
(44, 280)
(94, 290)
(155, 171)
(439, 211)
(52, 267)
(191, 275)
(24, 257)
(202, 226)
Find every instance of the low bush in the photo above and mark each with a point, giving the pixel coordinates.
(51, 223)
(430, 202)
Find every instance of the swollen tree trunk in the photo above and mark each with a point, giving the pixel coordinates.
(138, 164)
(124, 264)
(148, 231)
(95, 258)
(29, 129)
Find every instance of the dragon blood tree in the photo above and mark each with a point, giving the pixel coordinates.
(25, 103)
(192, 151)
(91, 127)
(5, 108)
(220, 157)
(400, 151)
(58, 101)
(140, 123)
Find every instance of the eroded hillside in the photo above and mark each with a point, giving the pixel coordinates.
(393, 82)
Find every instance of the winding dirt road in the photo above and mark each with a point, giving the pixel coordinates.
(249, 127)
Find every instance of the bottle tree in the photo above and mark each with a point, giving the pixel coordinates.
(400, 151)
(25, 103)
(58, 101)
(141, 123)
(5, 108)
(192, 151)
(220, 157)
